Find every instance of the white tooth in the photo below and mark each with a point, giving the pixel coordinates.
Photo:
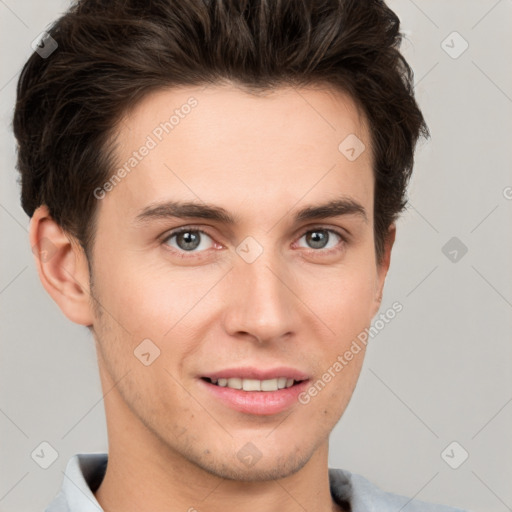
(251, 385)
(269, 385)
(255, 384)
(235, 383)
(214, 381)
(281, 382)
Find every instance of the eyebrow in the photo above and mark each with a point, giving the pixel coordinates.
(182, 209)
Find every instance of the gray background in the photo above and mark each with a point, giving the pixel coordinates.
(439, 372)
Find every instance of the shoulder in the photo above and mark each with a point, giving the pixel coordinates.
(363, 496)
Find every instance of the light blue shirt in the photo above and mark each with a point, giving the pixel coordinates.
(85, 471)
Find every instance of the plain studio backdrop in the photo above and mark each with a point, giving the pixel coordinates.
(431, 416)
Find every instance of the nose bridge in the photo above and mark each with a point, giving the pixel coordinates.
(261, 304)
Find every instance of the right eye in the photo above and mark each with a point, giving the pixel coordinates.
(187, 240)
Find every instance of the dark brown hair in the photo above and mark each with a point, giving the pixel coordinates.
(111, 53)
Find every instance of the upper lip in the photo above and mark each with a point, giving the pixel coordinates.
(250, 372)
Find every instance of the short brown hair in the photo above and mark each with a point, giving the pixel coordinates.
(111, 53)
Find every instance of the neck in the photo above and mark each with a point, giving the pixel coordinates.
(145, 474)
(142, 484)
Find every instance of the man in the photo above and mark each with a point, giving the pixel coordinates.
(213, 189)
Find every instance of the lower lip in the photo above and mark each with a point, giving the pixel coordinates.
(256, 402)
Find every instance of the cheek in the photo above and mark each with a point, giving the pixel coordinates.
(342, 386)
(346, 303)
(146, 299)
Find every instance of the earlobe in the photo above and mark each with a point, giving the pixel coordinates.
(62, 266)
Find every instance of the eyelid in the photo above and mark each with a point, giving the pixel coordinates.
(338, 230)
(176, 231)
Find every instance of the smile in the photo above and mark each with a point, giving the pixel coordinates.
(254, 384)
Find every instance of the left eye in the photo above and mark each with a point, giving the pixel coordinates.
(320, 238)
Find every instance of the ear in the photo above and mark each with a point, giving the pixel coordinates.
(383, 267)
(62, 266)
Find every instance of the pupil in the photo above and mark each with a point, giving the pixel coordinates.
(191, 240)
(318, 239)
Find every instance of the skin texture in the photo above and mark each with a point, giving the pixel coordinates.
(172, 446)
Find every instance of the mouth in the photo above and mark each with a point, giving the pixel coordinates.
(266, 385)
(255, 392)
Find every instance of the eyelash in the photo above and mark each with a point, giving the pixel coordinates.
(184, 254)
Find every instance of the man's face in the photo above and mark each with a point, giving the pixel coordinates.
(267, 292)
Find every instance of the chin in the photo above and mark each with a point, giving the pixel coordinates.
(250, 463)
(260, 471)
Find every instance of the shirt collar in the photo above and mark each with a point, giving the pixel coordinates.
(83, 475)
(85, 471)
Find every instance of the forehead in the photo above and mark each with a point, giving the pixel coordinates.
(222, 145)
(213, 112)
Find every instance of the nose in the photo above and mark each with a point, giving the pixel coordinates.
(261, 301)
